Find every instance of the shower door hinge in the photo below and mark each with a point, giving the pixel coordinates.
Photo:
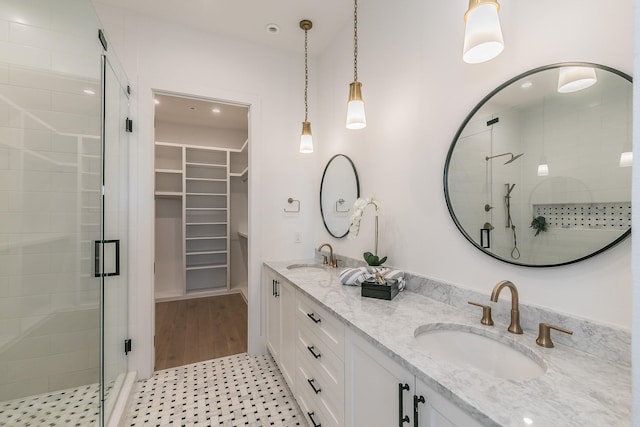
(493, 121)
(102, 39)
(127, 346)
(128, 125)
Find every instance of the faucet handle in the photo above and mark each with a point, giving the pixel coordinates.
(544, 334)
(486, 313)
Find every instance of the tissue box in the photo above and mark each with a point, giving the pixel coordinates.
(373, 289)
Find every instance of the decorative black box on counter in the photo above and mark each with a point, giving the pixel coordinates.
(373, 289)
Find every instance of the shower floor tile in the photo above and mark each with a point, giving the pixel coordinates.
(238, 390)
(72, 407)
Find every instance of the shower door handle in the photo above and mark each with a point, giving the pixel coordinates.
(98, 257)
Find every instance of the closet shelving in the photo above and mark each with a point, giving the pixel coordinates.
(197, 179)
(206, 219)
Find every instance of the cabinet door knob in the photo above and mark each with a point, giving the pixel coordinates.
(402, 418)
(416, 400)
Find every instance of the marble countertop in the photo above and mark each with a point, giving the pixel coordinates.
(577, 389)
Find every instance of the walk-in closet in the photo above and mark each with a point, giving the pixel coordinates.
(201, 239)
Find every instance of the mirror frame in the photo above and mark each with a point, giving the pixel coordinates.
(468, 119)
(355, 174)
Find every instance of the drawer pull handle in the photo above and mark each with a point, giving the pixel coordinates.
(416, 400)
(311, 350)
(316, 390)
(313, 317)
(311, 414)
(401, 417)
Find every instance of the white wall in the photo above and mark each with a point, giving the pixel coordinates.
(417, 92)
(174, 59)
(200, 135)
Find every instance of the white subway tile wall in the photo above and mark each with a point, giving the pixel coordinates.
(49, 196)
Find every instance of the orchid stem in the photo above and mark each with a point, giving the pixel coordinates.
(376, 238)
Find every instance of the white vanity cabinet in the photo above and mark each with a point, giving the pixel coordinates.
(319, 364)
(281, 327)
(338, 377)
(379, 392)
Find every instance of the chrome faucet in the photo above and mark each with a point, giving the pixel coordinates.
(514, 327)
(331, 261)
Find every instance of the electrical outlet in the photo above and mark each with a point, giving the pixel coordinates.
(297, 237)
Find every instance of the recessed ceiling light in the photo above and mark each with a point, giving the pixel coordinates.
(89, 92)
(272, 28)
(156, 101)
(526, 85)
(216, 110)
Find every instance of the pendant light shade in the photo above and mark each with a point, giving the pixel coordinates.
(573, 79)
(543, 169)
(355, 105)
(626, 159)
(355, 108)
(483, 34)
(306, 140)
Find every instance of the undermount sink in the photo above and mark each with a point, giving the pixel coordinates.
(464, 347)
(306, 267)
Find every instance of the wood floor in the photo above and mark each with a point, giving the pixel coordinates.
(194, 330)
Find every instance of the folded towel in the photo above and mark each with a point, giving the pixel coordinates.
(355, 276)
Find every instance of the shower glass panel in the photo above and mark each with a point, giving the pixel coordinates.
(115, 223)
(58, 321)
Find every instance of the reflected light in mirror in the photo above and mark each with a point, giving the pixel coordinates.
(543, 169)
(626, 159)
(483, 34)
(573, 79)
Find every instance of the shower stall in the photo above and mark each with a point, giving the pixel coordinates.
(63, 216)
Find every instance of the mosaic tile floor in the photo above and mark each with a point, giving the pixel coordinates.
(238, 390)
(72, 407)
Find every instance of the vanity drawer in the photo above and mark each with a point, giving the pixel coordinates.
(323, 412)
(329, 329)
(326, 370)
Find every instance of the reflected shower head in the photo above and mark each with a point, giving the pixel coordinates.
(513, 157)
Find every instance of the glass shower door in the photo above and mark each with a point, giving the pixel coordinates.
(115, 179)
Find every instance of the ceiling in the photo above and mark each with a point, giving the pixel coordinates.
(192, 111)
(247, 19)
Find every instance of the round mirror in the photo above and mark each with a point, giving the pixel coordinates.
(539, 173)
(339, 189)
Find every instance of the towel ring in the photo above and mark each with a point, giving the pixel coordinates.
(291, 201)
(339, 203)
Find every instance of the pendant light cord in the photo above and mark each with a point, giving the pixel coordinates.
(355, 40)
(306, 78)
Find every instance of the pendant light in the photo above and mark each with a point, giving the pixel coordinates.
(482, 34)
(543, 166)
(306, 141)
(355, 106)
(573, 79)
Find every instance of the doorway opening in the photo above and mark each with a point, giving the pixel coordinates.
(201, 224)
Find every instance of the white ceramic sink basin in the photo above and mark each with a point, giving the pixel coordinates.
(306, 267)
(470, 348)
